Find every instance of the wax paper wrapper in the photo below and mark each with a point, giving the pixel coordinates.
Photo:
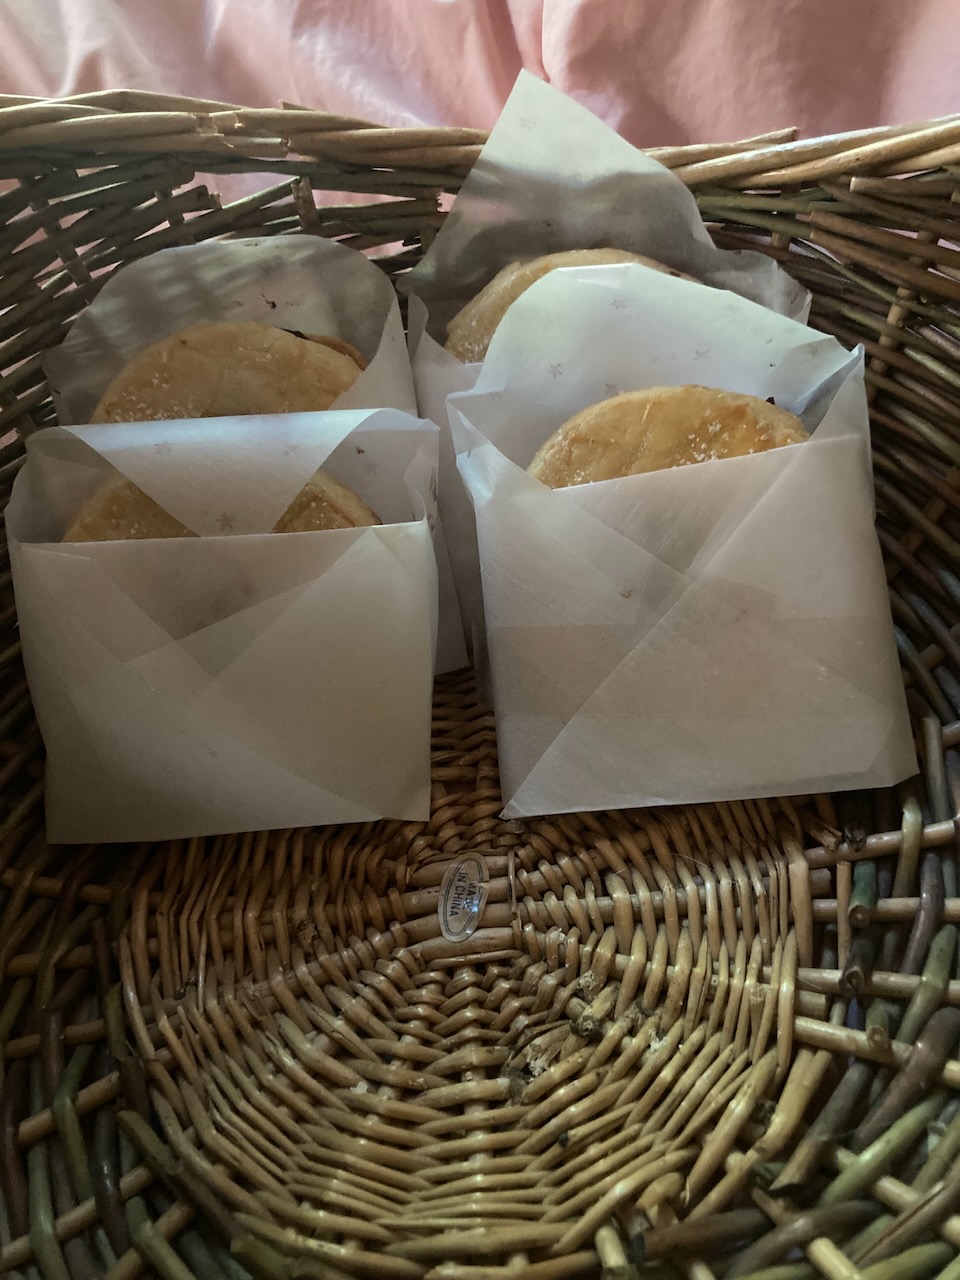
(552, 176)
(299, 282)
(709, 632)
(238, 680)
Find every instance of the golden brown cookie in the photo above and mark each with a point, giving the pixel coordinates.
(119, 510)
(661, 427)
(223, 369)
(470, 331)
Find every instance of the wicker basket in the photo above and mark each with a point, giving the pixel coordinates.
(710, 1042)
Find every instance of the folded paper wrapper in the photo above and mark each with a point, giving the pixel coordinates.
(238, 680)
(711, 632)
(302, 283)
(552, 177)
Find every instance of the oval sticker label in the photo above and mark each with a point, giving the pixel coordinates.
(463, 895)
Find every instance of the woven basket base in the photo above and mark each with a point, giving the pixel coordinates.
(366, 1096)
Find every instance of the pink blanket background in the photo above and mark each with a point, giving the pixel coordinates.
(660, 71)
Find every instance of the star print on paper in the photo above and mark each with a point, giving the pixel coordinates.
(610, 389)
(701, 353)
(290, 448)
(163, 446)
(226, 521)
(556, 371)
(526, 123)
(496, 395)
(619, 304)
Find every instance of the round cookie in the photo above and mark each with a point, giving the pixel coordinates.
(470, 330)
(661, 427)
(224, 369)
(119, 510)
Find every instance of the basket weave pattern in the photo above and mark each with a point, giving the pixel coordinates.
(714, 1041)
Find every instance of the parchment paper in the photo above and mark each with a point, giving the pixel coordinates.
(552, 176)
(299, 282)
(710, 632)
(238, 680)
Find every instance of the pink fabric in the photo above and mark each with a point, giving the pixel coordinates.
(661, 71)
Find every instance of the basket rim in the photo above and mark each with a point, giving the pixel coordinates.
(141, 122)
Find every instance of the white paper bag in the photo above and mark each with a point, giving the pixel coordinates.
(302, 283)
(238, 680)
(710, 632)
(552, 177)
